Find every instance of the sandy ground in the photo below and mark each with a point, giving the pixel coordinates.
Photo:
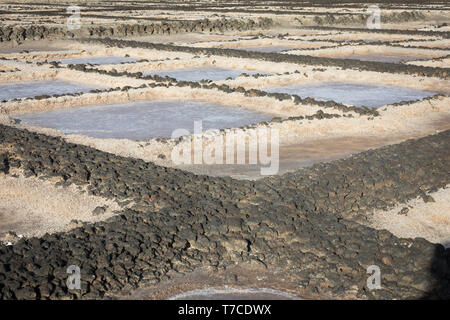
(304, 154)
(32, 46)
(248, 43)
(32, 207)
(74, 49)
(429, 220)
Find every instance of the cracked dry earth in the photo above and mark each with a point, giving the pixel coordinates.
(139, 227)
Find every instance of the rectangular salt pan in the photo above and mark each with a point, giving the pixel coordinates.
(266, 49)
(393, 58)
(97, 60)
(145, 119)
(37, 88)
(354, 94)
(200, 73)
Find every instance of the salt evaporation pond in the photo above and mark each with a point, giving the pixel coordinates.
(144, 120)
(97, 60)
(355, 94)
(266, 49)
(200, 73)
(385, 57)
(37, 88)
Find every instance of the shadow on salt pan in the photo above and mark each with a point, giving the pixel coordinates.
(355, 94)
(37, 88)
(235, 294)
(97, 60)
(200, 73)
(144, 120)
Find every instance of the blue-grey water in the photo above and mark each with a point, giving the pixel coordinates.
(37, 88)
(266, 49)
(144, 120)
(200, 73)
(354, 94)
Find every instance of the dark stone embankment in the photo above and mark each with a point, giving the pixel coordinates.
(303, 223)
(39, 32)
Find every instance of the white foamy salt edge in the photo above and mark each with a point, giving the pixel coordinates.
(247, 291)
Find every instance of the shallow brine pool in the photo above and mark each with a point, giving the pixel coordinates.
(266, 49)
(144, 120)
(37, 88)
(355, 94)
(97, 60)
(200, 73)
(384, 57)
